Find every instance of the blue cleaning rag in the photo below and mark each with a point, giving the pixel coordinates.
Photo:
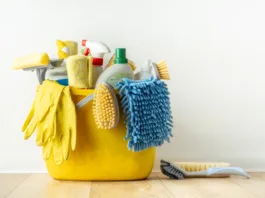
(146, 106)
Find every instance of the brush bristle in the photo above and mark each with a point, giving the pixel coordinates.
(105, 107)
(170, 170)
(195, 166)
(163, 70)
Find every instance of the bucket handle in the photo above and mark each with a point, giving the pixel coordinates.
(84, 101)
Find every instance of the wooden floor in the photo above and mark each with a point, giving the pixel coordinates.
(41, 185)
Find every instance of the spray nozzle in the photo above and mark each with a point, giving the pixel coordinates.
(97, 48)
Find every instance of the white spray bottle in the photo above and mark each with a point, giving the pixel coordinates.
(97, 50)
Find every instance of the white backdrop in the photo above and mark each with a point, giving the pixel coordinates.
(215, 50)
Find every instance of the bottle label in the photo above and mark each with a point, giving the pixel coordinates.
(118, 77)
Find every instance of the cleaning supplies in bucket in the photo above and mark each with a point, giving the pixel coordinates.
(38, 61)
(53, 115)
(58, 74)
(161, 70)
(146, 106)
(97, 50)
(73, 47)
(105, 107)
(31, 60)
(63, 49)
(77, 71)
(144, 72)
(111, 63)
(149, 68)
(121, 69)
(92, 72)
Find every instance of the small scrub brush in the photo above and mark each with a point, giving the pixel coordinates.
(174, 172)
(161, 70)
(199, 166)
(105, 107)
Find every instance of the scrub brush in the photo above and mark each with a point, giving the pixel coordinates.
(111, 62)
(199, 166)
(105, 107)
(161, 70)
(175, 172)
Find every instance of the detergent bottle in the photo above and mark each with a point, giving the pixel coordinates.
(144, 72)
(97, 50)
(120, 69)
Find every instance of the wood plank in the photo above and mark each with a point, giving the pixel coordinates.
(204, 188)
(9, 182)
(255, 185)
(43, 186)
(157, 185)
(151, 187)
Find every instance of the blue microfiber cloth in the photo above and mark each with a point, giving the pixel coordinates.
(146, 106)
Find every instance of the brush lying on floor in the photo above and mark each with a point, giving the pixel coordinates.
(175, 172)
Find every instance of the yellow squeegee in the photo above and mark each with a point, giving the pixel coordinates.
(31, 60)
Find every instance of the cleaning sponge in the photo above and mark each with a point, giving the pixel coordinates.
(31, 60)
(77, 71)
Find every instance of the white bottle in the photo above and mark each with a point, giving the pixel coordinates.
(120, 69)
(144, 72)
(97, 50)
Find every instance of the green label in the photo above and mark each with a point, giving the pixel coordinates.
(118, 77)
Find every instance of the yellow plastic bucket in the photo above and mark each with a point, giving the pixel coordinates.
(101, 154)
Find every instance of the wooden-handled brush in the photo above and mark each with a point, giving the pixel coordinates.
(161, 70)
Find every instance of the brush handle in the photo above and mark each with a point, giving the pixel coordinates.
(227, 171)
(84, 101)
(41, 74)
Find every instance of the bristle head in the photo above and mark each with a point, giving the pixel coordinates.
(199, 166)
(171, 171)
(105, 107)
(162, 70)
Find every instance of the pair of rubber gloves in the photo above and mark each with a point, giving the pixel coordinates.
(53, 115)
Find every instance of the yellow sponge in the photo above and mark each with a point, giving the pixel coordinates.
(105, 107)
(77, 71)
(196, 166)
(31, 60)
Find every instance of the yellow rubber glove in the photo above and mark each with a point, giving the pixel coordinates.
(43, 112)
(65, 130)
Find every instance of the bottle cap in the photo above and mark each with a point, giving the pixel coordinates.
(84, 43)
(120, 56)
(97, 61)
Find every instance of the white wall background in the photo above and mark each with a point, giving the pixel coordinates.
(215, 50)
